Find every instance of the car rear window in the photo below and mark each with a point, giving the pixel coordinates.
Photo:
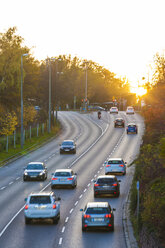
(68, 143)
(132, 126)
(114, 162)
(35, 167)
(97, 210)
(62, 174)
(40, 200)
(106, 180)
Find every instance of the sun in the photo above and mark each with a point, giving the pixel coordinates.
(139, 91)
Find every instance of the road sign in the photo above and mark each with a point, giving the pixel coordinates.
(137, 185)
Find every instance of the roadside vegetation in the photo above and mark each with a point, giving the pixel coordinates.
(150, 167)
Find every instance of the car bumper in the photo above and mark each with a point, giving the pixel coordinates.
(39, 177)
(45, 215)
(108, 171)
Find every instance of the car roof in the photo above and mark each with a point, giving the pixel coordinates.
(114, 107)
(131, 124)
(68, 141)
(118, 119)
(41, 193)
(115, 159)
(97, 204)
(36, 163)
(106, 176)
(63, 170)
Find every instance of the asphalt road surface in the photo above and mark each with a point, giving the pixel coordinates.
(96, 140)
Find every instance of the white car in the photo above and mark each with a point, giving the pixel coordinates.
(130, 111)
(42, 205)
(64, 177)
(113, 110)
(115, 166)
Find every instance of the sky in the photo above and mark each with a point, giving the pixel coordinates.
(121, 35)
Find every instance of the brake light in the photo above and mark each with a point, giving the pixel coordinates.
(26, 207)
(121, 165)
(54, 178)
(115, 184)
(70, 178)
(96, 184)
(108, 165)
(108, 216)
(109, 224)
(86, 216)
(54, 206)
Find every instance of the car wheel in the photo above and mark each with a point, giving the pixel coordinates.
(127, 132)
(24, 179)
(95, 195)
(84, 229)
(52, 186)
(27, 221)
(118, 194)
(55, 220)
(112, 228)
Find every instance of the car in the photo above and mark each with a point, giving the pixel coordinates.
(98, 215)
(35, 171)
(107, 185)
(119, 122)
(113, 110)
(115, 166)
(42, 205)
(64, 177)
(68, 146)
(130, 111)
(132, 128)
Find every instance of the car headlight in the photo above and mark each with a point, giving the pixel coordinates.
(41, 173)
(25, 173)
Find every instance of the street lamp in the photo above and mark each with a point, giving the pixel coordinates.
(86, 84)
(22, 138)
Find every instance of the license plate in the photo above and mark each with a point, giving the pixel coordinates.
(105, 186)
(67, 150)
(33, 176)
(62, 180)
(98, 219)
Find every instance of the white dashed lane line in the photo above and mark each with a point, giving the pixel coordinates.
(17, 178)
(80, 196)
(67, 218)
(88, 184)
(71, 210)
(10, 183)
(63, 229)
(76, 203)
(60, 241)
(2, 188)
(85, 190)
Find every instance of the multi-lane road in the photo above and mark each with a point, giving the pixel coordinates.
(96, 140)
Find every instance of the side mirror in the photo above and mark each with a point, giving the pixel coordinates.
(114, 209)
(25, 199)
(75, 174)
(94, 180)
(58, 198)
(119, 181)
(52, 174)
(125, 162)
(81, 209)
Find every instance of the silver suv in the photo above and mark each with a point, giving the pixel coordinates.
(43, 205)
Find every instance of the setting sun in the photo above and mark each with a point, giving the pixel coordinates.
(139, 91)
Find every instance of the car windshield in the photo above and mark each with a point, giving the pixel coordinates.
(35, 167)
(106, 180)
(97, 210)
(40, 199)
(132, 126)
(114, 162)
(62, 174)
(130, 109)
(68, 143)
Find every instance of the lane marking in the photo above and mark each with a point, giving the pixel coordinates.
(76, 203)
(66, 220)
(10, 183)
(17, 178)
(88, 184)
(63, 229)
(80, 196)
(3, 188)
(60, 241)
(85, 190)
(71, 211)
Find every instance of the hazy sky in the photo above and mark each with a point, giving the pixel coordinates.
(121, 35)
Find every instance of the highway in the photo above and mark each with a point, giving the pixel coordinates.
(96, 140)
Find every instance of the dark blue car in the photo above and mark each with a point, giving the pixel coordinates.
(132, 128)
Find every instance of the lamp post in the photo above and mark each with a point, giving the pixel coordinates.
(22, 138)
(86, 85)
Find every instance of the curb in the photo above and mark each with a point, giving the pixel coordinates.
(127, 225)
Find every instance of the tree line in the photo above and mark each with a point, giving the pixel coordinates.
(68, 82)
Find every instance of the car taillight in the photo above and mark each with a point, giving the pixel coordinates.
(115, 184)
(26, 207)
(108, 165)
(108, 216)
(96, 184)
(54, 206)
(54, 178)
(70, 178)
(87, 216)
(121, 165)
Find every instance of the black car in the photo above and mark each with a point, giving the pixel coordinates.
(107, 185)
(35, 171)
(119, 122)
(68, 146)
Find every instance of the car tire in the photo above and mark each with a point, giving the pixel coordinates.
(95, 195)
(55, 220)
(84, 229)
(127, 132)
(112, 228)
(118, 194)
(52, 186)
(24, 179)
(27, 221)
